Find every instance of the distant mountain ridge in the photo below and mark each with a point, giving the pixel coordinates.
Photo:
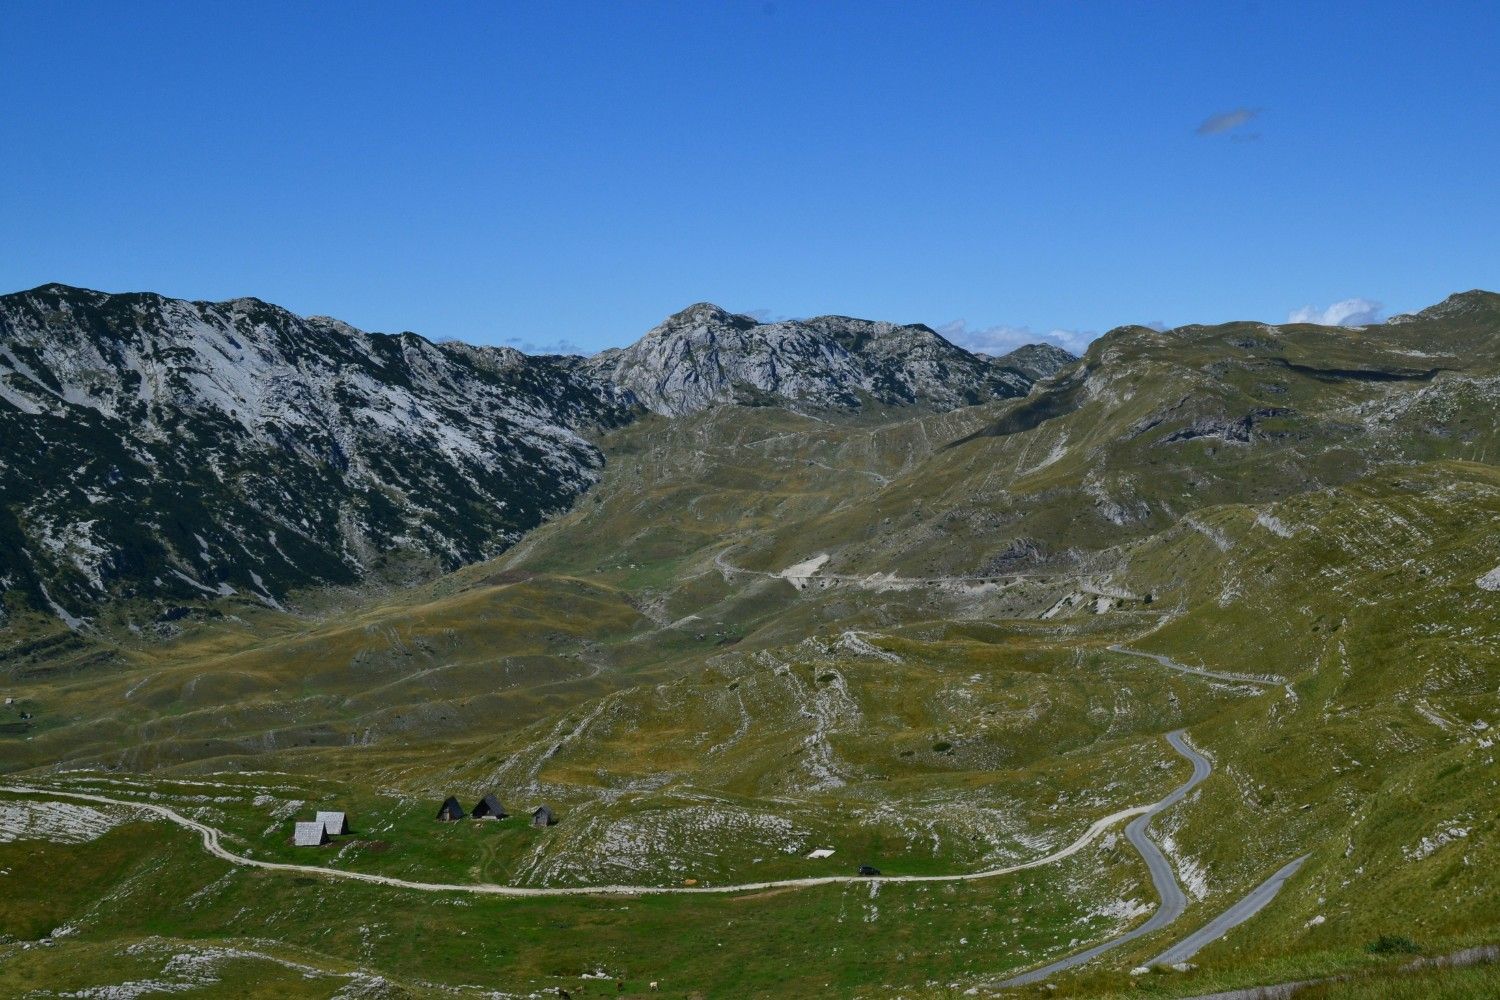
(169, 450)
(704, 355)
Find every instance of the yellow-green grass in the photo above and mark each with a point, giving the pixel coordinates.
(850, 940)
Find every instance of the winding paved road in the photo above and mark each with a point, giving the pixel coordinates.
(1173, 901)
(1243, 910)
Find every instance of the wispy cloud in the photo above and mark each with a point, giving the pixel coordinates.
(1349, 312)
(553, 347)
(1226, 121)
(996, 340)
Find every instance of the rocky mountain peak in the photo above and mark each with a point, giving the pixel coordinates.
(1473, 304)
(1037, 361)
(705, 314)
(705, 355)
(171, 450)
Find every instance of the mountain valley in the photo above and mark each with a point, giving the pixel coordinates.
(732, 595)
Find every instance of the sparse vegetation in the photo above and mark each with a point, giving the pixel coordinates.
(1393, 944)
(926, 728)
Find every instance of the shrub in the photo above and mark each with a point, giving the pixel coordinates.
(1393, 944)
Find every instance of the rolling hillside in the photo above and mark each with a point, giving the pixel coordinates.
(910, 634)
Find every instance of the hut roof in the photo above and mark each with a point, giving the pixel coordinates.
(450, 809)
(544, 815)
(336, 823)
(309, 833)
(489, 806)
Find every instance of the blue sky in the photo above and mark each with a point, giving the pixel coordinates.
(552, 174)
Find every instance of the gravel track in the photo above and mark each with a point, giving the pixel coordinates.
(213, 845)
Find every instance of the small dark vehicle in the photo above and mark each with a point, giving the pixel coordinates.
(869, 871)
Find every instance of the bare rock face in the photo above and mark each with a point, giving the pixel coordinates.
(172, 450)
(704, 356)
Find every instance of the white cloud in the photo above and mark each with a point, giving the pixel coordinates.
(996, 340)
(1349, 312)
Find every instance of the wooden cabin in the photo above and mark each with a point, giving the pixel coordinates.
(489, 807)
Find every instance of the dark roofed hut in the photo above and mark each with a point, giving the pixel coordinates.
(542, 817)
(451, 812)
(489, 807)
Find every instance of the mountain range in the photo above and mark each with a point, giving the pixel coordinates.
(1167, 671)
(166, 450)
(703, 356)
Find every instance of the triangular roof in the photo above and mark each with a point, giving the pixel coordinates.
(309, 833)
(335, 822)
(542, 812)
(490, 806)
(450, 809)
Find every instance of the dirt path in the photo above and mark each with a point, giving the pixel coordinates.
(1173, 899)
(1480, 955)
(1260, 680)
(211, 844)
(874, 581)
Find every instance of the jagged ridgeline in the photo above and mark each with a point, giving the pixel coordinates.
(171, 450)
(174, 451)
(704, 355)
